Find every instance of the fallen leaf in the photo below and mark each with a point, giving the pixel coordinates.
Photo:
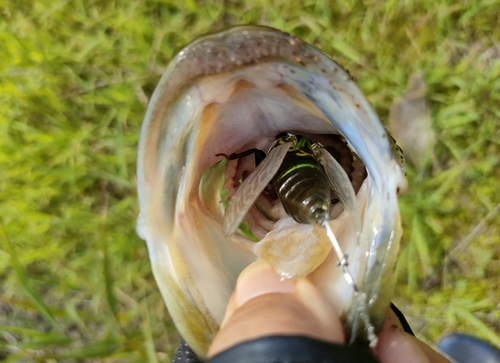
(410, 123)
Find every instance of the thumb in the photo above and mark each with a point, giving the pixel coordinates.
(263, 305)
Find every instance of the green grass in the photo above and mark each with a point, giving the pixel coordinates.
(75, 281)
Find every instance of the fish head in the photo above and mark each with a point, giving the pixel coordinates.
(235, 91)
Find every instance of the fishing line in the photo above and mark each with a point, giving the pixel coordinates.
(343, 258)
(360, 297)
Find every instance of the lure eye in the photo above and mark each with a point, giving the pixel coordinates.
(319, 214)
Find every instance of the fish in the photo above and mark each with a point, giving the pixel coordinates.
(234, 93)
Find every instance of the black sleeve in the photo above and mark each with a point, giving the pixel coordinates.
(279, 349)
(292, 349)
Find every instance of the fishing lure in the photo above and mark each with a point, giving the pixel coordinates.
(301, 173)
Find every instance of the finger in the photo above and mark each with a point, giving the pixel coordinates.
(263, 305)
(395, 345)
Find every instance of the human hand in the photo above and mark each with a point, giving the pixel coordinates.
(263, 306)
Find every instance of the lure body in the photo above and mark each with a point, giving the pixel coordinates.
(302, 185)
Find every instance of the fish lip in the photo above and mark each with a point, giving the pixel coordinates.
(382, 169)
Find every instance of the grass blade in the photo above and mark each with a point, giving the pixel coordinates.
(26, 282)
(481, 329)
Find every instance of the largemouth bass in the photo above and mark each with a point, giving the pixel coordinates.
(214, 119)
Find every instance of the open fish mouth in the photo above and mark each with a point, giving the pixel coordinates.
(240, 90)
